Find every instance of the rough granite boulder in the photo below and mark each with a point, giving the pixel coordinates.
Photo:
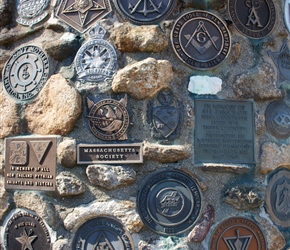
(66, 153)
(67, 184)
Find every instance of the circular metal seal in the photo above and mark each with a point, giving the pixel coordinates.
(287, 14)
(254, 19)
(145, 11)
(102, 233)
(238, 233)
(201, 39)
(26, 230)
(278, 119)
(25, 72)
(169, 202)
(278, 198)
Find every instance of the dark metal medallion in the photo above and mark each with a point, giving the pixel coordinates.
(282, 61)
(102, 233)
(287, 14)
(96, 60)
(145, 11)
(30, 163)
(169, 202)
(109, 119)
(26, 230)
(31, 12)
(25, 73)
(254, 19)
(238, 233)
(201, 39)
(165, 120)
(278, 119)
(278, 198)
(83, 14)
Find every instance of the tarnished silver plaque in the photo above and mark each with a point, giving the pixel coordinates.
(224, 131)
(96, 60)
(287, 14)
(31, 12)
(25, 73)
(109, 153)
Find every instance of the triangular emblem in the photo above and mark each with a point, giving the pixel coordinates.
(238, 242)
(103, 243)
(40, 148)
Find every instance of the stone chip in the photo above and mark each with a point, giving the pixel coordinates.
(68, 184)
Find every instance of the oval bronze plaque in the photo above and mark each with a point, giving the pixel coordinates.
(169, 202)
(201, 39)
(238, 233)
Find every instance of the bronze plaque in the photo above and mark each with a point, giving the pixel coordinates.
(224, 131)
(278, 198)
(26, 230)
(30, 163)
(109, 153)
(238, 233)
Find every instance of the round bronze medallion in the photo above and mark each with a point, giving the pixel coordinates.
(25, 73)
(238, 233)
(278, 119)
(26, 230)
(102, 233)
(169, 202)
(278, 198)
(201, 39)
(254, 19)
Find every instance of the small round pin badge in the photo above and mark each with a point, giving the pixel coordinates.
(200, 39)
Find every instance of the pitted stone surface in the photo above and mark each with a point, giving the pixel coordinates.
(56, 109)
(143, 79)
(61, 244)
(4, 198)
(116, 208)
(110, 177)
(6, 12)
(145, 38)
(68, 184)
(233, 168)
(204, 85)
(66, 153)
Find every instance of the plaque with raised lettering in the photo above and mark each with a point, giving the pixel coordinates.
(109, 153)
(224, 131)
(30, 163)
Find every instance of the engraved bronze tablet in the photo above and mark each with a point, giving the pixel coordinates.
(278, 198)
(102, 233)
(238, 233)
(109, 153)
(109, 119)
(224, 131)
(254, 19)
(96, 60)
(30, 163)
(83, 14)
(145, 11)
(25, 73)
(200, 39)
(26, 230)
(278, 119)
(169, 202)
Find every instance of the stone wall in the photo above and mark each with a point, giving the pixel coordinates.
(146, 65)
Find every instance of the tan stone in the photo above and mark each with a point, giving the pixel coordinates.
(4, 198)
(66, 153)
(56, 109)
(143, 79)
(68, 184)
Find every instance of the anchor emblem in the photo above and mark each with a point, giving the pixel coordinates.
(145, 11)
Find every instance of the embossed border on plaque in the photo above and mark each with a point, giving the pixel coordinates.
(109, 153)
(30, 163)
(287, 14)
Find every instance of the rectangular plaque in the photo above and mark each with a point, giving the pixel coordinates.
(224, 131)
(109, 153)
(30, 163)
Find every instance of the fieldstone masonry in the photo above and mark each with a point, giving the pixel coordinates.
(146, 65)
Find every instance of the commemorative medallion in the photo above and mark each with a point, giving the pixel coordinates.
(102, 233)
(83, 14)
(26, 230)
(25, 73)
(201, 39)
(254, 19)
(287, 14)
(31, 12)
(169, 202)
(278, 119)
(278, 198)
(238, 233)
(145, 11)
(165, 119)
(96, 60)
(108, 119)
